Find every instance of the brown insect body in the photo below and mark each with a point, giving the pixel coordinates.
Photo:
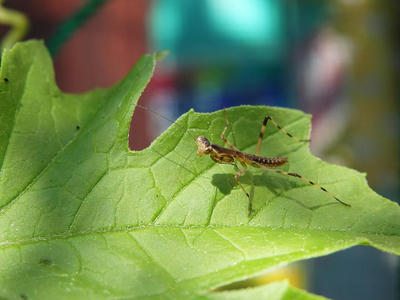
(224, 155)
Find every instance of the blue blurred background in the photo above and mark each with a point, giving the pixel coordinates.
(337, 60)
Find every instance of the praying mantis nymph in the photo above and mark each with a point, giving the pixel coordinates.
(233, 155)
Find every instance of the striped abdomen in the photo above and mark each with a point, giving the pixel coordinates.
(273, 162)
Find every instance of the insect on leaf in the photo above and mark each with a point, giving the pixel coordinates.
(83, 217)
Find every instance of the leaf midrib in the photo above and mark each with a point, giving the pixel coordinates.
(127, 229)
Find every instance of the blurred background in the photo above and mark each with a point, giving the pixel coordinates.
(338, 60)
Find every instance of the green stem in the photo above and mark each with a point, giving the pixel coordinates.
(19, 24)
(73, 23)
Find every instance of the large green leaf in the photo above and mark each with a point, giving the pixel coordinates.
(84, 217)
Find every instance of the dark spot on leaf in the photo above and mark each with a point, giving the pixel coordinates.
(45, 261)
(23, 296)
(5, 79)
(78, 127)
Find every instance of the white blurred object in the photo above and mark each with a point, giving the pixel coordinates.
(323, 66)
(321, 82)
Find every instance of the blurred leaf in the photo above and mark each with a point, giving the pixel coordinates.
(84, 217)
(273, 291)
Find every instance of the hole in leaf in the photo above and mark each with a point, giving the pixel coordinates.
(139, 134)
(149, 120)
(295, 274)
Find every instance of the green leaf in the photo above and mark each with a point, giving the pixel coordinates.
(84, 217)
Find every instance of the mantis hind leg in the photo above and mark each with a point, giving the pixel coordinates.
(308, 181)
(261, 135)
